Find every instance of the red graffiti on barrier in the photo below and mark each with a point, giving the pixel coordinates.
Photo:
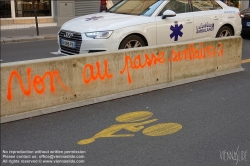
(98, 74)
(196, 53)
(138, 63)
(38, 81)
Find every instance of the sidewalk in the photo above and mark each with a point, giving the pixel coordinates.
(28, 34)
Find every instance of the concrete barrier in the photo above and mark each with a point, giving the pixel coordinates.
(36, 87)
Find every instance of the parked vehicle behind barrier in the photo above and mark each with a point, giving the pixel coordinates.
(137, 23)
(245, 14)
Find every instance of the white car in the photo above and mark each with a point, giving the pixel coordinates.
(138, 23)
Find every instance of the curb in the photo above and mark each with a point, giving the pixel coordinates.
(26, 38)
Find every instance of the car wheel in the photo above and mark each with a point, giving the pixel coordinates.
(224, 32)
(245, 36)
(132, 41)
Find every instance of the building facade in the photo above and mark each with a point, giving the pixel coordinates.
(22, 11)
(241, 4)
(244, 4)
(57, 11)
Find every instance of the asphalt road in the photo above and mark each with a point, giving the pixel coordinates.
(20, 51)
(211, 120)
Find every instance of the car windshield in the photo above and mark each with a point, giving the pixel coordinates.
(136, 7)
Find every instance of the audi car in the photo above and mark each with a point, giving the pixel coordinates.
(139, 23)
(245, 14)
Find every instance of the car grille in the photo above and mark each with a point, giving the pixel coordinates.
(77, 37)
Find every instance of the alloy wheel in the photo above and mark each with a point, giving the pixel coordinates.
(225, 33)
(133, 44)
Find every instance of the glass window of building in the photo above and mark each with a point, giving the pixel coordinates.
(5, 9)
(25, 8)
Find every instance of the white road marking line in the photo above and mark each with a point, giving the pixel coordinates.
(55, 53)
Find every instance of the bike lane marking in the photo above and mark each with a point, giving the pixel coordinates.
(245, 61)
(134, 122)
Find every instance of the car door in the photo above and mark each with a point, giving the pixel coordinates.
(178, 28)
(207, 17)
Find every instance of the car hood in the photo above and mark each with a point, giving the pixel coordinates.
(103, 21)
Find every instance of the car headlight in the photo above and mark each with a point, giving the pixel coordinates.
(99, 35)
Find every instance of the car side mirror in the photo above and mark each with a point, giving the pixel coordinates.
(168, 13)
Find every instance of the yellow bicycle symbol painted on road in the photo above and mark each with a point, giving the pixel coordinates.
(131, 122)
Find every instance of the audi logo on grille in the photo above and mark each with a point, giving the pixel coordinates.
(68, 35)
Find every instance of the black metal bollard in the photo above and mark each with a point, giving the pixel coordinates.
(37, 30)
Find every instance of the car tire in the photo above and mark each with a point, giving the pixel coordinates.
(224, 32)
(132, 41)
(245, 36)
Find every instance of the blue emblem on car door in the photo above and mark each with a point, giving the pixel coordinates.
(176, 31)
